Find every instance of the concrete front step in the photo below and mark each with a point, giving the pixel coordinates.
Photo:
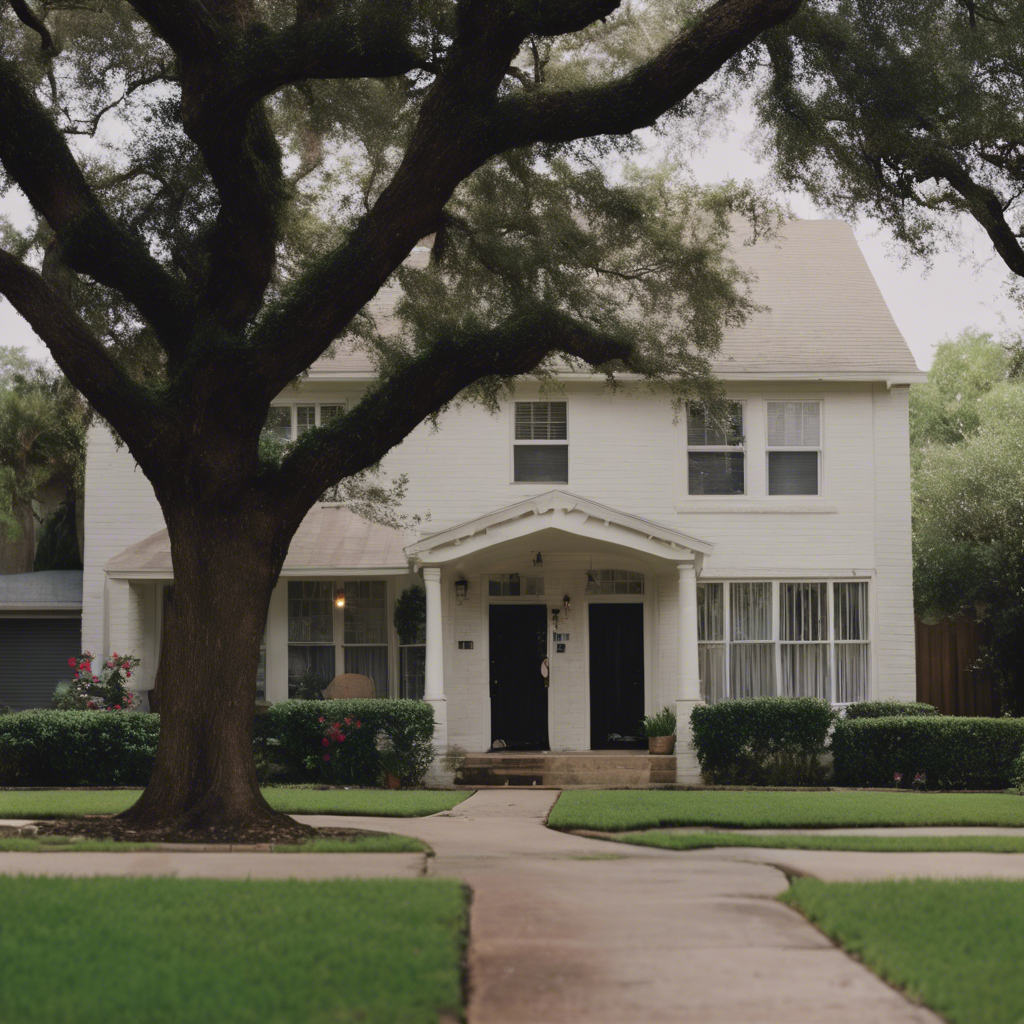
(599, 770)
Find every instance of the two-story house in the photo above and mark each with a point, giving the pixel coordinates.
(591, 556)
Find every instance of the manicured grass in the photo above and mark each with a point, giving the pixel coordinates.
(384, 843)
(955, 946)
(176, 951)
(388, 803)
(621, 810)
(878, 844)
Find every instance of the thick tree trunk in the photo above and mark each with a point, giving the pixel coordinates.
(225, 568)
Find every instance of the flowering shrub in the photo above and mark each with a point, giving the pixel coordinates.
(107, 691)
(334, 735)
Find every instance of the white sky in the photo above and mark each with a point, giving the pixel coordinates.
(963, 288)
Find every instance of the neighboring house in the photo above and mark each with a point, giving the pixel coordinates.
(40, 630)
(647, 558)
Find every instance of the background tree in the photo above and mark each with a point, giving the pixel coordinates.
(909, 110)
(221, 186)
(42, 455)
(968, 497)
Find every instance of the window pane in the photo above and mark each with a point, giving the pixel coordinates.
(752, 670)
(851, 601)
(852, 672)
(805, 671)
(711, 660)
(310, 611)
(372, 662)
(279, 421)
(540, 421)
(794, 424)
(328, 412)
(614, 581)
(702, 430)
(792, 472)
(803, 611)
(366, 612)
(750, 608)
(412, 672)
(710, 612)
(715, 472)
(541, 463)
(305, 418)
(318, 659)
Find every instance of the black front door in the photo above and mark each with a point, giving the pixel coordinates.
(616, 676)
(519, 695)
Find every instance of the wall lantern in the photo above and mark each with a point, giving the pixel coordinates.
(555, 612)
(538, 559)
(566, 605)
(339, 597)
(461, 590)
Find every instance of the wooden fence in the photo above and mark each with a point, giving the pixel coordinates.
(947, 672)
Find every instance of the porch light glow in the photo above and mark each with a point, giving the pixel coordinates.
(339, 598)
(461, 590)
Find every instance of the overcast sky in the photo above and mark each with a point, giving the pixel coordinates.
(965, 288)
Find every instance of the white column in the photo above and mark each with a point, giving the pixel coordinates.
(433, 689)
(687, 768)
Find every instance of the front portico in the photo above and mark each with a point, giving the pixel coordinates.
(607, 599)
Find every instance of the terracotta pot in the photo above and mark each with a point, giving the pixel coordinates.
(661, 744)
(394, 782)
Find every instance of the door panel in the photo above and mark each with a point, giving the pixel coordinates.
(519, 696)
(616, 676)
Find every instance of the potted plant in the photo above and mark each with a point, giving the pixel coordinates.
(660, 730)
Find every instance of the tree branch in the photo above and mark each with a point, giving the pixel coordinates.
(35, 154)
(639, 98)
(87, 364)
(426, 383)
(26, 15)
(185, 25)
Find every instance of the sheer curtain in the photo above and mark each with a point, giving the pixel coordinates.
(853, 666)
(711, 641)
(752, 653)
(803, 631)
(366, 631)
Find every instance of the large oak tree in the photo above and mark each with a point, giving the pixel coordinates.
(222, 186)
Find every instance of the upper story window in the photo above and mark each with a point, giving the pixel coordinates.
(292, 421)
(794, 447)
(715, 455)
(540, 449)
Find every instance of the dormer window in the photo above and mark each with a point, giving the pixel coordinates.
(715, 451)
(540, 448)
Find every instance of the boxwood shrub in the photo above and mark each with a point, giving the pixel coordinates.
(762, 741)
(77, 748)
(888, 709)
(952, 753)
(290, 734)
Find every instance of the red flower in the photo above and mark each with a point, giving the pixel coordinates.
(327, 742)
(341, 737)
(359, 724)
(321, 719)
(129, 675)
(348, 721)
(73, 662)
(117, 707)
(327, 758)
(335, 725)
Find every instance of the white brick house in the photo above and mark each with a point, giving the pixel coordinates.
(651, 559)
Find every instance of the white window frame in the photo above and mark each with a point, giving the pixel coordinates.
(831, 642)
(729, 448)
(293, 408)
(819, 448)
(566, 443)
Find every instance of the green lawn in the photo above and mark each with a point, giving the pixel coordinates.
(176, 951)
(876, 844)
(955, 946)
(393, 803)
(384, 843)
(621, 810)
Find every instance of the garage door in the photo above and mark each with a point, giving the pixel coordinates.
(34, 657)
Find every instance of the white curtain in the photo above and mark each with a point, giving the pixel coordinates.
(710, 612)
(750, 609)
(752, 670)
(805, 671)
(372, 662)
(852, 672)
(712, 672)
(803, 611)
(851, 606)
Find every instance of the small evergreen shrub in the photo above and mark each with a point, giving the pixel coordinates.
(943, 751)
(1017, 774)
(762, 741)
(77, 748)
(661, 723)
(292, 734)
(889, 709)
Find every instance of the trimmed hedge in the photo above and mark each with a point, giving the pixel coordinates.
(77, 748)
(889, 709)
(953, 753)
(762, 741)
(290, 734)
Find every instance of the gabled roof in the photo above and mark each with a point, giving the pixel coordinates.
(825, 317)
(331, 540)
(568, 515)
(51, 590)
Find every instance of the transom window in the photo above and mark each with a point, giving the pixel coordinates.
(540, 449)
(511, 584)
(715, 457)
(614, 581)
(291, 421)
(789, 638)
(794, 447)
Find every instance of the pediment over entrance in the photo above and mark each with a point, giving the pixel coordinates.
(558, 520)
